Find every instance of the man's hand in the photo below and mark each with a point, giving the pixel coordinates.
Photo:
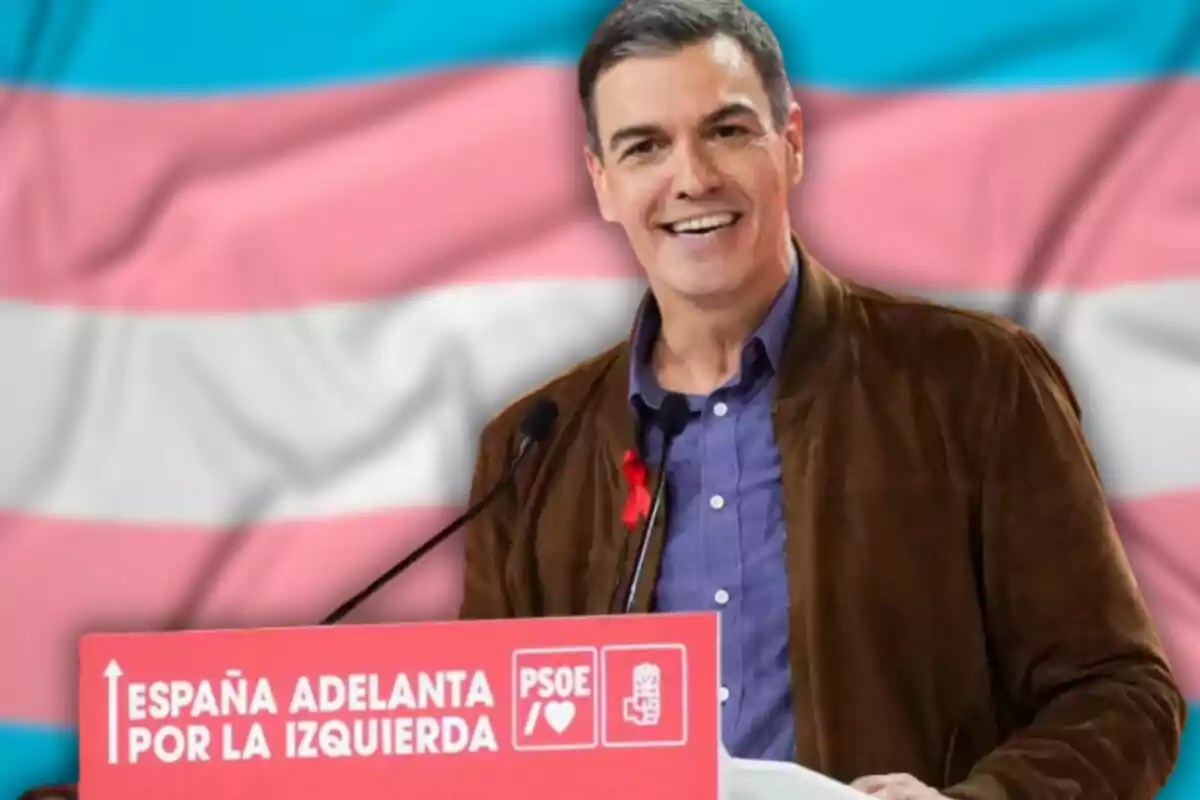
(897, 786)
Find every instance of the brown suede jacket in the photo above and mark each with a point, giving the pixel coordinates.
(961, 607)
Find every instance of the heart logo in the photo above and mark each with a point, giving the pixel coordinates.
(559, 714)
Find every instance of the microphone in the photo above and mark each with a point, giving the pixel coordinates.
(670, 419)
(535, 426)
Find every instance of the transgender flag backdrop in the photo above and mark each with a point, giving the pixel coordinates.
(267, 267)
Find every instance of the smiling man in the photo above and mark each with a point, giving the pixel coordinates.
(890, 502)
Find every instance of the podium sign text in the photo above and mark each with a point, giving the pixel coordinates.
(591, 708)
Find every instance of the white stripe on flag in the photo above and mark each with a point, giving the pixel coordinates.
(213, 419)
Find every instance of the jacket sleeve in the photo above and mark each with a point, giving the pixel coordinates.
(488, 538)
(1075, 647)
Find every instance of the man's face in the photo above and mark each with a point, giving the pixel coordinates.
(688, 138)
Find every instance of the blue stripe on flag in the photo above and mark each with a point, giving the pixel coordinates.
(34, 755)
(150, 46)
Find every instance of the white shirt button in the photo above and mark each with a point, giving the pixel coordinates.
(724, 693)
(717, 502)
(719, 409)
(722, 597)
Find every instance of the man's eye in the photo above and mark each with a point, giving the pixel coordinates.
(644, 147)
(727, 131)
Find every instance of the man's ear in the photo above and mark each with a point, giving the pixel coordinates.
(595, 167)
(793, 133)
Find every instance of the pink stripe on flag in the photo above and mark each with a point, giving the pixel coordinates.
(60, 579)
(285, 200)
(71, 578)
(1162, 537)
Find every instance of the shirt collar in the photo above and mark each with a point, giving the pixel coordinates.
(770, 335)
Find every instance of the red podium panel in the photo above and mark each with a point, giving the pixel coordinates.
(591, 708)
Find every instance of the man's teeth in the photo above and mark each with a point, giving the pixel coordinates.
(703, 224)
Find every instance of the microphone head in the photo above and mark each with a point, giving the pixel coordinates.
(673, 415)
(539, 420)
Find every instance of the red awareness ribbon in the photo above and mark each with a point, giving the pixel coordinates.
(637, 500)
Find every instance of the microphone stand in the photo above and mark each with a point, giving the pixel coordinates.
(672, 418)
(537, 426)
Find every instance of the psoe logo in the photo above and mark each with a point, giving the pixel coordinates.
(555, 699)
(645, 695)
(644, 706)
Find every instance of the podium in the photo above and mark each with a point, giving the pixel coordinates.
(590, 708)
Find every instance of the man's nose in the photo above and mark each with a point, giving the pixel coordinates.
(695, 173)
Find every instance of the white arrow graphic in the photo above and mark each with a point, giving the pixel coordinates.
(113, 673)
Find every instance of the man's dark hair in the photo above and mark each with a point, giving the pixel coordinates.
(657, 27)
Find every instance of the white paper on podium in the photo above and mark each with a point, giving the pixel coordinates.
(747, 779)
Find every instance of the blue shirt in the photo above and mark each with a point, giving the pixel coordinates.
(724, 549)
